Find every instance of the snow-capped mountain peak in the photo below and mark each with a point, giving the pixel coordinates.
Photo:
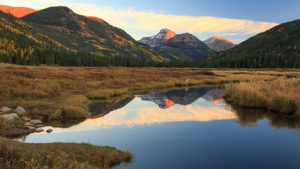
(161, 37)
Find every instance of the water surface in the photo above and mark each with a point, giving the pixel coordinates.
(188, 128)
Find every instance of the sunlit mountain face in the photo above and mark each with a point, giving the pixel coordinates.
(16, 11)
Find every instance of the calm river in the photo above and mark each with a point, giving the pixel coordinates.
(186, 129)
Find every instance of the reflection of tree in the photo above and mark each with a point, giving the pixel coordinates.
(250, 117)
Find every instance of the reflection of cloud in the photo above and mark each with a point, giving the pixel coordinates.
(147, 115)
(149, 21)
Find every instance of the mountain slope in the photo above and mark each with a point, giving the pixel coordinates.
(88, 34)
(16, 11)
(277, 47)
(21, 43)
(219, 44)
(182, 47)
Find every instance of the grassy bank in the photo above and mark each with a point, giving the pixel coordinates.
(58, 155)
(281, 95)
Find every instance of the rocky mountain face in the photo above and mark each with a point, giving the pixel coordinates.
(184, 47)
(158, 40)
(219, 44)
(16, 11)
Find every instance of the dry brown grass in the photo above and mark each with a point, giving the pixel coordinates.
(280, 95)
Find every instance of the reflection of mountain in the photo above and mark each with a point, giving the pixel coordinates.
(100, 109)
(214, 95)
(183, 97)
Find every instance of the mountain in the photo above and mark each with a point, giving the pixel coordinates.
(20, 43)
(277, 47)
(90, 34)
(183, 47)
(57, 35)
(16, 11)
(159, 39)
(219, 44)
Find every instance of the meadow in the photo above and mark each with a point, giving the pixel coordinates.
(60, 96)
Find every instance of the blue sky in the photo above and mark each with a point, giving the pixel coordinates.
(235, 20)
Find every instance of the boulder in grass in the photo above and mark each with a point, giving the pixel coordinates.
(9, 117)
(20, 110)
(36, 122)
(26, 118)
(5, 109)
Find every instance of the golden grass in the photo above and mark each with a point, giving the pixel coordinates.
(281, 95)
(59, 155)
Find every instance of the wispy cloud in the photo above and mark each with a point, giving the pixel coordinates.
(147, 21)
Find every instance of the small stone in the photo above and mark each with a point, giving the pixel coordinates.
(28, 124)
(36, 121)
(26, 118)
(10, 117)
(20, 110)
(49, 130)
(39, 125)
(39, 130)
(5, 109)
(30, 127)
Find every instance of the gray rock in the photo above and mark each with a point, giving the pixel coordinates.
(39, 130)
(20, 110)
(36, 121)
(5, 109)
(26, 118)
(49, 130)
(30, 127)
(9, 117)
(39, 125)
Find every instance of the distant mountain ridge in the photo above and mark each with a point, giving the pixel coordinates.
(184, 47)
(219, 43)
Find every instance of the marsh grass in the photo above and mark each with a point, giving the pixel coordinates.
(281, 95)
(59, 155)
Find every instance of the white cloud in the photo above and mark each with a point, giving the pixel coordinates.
(147, 21)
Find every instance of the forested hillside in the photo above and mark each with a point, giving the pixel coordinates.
(277, 47)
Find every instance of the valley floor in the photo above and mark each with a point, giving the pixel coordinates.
(59, 96)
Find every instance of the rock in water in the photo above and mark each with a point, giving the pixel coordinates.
(9, 117)
(39, 130)
(49, 130)
(20, 110)
(5, 109)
